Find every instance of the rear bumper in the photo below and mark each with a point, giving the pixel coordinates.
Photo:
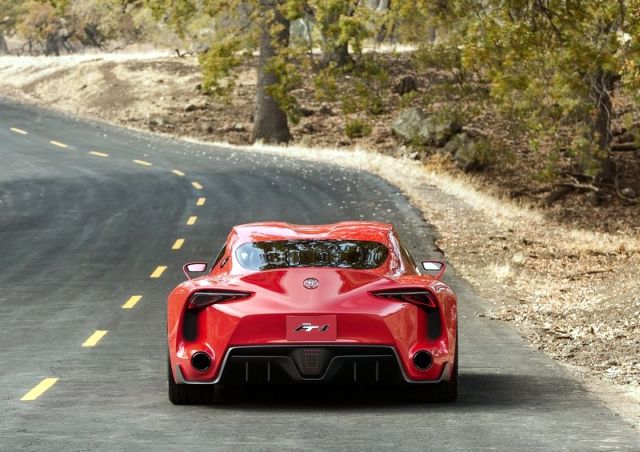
(312, 364)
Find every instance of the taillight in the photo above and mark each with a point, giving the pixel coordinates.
(200, 300)
(418, 297)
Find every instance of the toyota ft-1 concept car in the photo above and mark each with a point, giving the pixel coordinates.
(338, 304)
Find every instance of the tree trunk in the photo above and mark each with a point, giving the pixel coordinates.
(4, 49)
(51, 46)
(602, 90)
(334, 51)
(338, 55)
(270, 121)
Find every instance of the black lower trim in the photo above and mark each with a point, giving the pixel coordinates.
(336, 365)
(325, 364)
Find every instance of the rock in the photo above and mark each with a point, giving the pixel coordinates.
(158, 121)
(236, 127)
(406, 85)
(326, 110)
(308, 128)
(628, 192)
(593, 198)
(198, 87)
(306, 112)
(191, 107)
(466, 153)
(415, 126)
(207, 127)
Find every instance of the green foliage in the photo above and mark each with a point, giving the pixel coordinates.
(38, 20)
(217, 66)
(545, 63)
(289, 78)
(357, 128)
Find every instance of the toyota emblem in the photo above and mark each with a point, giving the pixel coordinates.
(311, 283)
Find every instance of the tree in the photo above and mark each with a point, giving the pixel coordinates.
(551, 62)
(42, 22)
(8, 13)
(237, 28)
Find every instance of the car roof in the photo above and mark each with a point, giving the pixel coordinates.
(346, 230)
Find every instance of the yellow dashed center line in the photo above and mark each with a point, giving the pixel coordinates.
(131, 302)
(178, 244)
(192, 220)
(196, 185)
(93, 340)
(142, 162)
(177, 172)
(20, 131)
(57, 143)
(39, 389)
(201, 201)
(158, 271)
(98, 154)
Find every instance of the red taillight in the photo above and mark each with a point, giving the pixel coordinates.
(418, 297)
(200, 300)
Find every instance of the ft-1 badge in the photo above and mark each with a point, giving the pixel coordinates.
(311, 328)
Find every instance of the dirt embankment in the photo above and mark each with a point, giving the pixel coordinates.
(573, 292)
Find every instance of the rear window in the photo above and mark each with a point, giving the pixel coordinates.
(356, 254)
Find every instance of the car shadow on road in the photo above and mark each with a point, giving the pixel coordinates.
(476, 390)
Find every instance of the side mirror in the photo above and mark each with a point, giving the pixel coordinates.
(436, 267)
(194, 267)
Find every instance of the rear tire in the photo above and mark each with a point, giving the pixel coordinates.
(182, 394)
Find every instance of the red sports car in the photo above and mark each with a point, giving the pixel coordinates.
(330, 304)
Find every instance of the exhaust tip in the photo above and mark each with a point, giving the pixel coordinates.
(422, 360)
(201, 361)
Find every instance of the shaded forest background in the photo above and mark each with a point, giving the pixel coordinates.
(538, 99)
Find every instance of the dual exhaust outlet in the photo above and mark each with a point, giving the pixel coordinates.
(422, 360)
(201, 361)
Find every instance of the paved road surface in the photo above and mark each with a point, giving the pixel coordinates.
(82, 228)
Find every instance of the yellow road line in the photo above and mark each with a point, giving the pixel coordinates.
(98, 154)
(177, 172)
(20, 131)
(178, 244)
(142, 162)
(158, 271)
(39, 389)
(192, 220)
(201, 201)
(196, 185)
(131, 302)
(93, 340)
(57, 143)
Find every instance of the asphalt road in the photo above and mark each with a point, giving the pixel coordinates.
(81, 233)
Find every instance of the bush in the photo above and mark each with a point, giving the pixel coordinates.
(357, 128)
